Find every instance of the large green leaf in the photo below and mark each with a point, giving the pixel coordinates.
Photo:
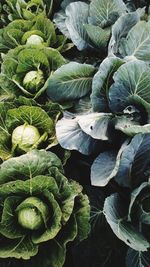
(71, 81)
(132, 81)
(106, 165)
(59, 19)
(18, 248)
(29, 165)
(77, 16)
(98, 37)
(32, 115)
(72, 137)
(137, 42)
(134, 164)
(120, 30)
(116, 213)
(8, 225)
(101, 83)
(104, 13)
(96, 124)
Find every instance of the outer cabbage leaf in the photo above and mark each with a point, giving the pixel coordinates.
(77, 16)
(29, 164)
(104, 13)
(72, 137)
(98, 37)
(134, 164)
(120, 30)
(71, 81)
(106, 165)
(96, 124)
(137, 42)
(101, 82)
(116, 213)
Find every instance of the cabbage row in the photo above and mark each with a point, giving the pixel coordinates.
(74, 133)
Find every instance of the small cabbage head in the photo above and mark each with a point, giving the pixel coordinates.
(24, 137)
(34, 39)
(41, 210)
(32, 213)
(33, 80)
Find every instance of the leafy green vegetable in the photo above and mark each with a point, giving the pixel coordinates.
(130, 38)
(26, 127)
(27, 68)
(88, 24)
(28, 9)
(40, 209)
(39, 31)
(70, 82)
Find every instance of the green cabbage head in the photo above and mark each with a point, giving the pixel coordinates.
(26, 128)
(26, 69)
(41, 211)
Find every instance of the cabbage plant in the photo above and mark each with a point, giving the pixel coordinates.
(88, 23)
(27, 9)
(25, 70)
(127, 212)
(24, 128)
(120, 103)
(41, 211)
(131, 38)
(39, 31)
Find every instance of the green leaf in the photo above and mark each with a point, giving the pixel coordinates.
(130, 128)
(131, 86)
(18, 248)
(59, 19)
(116, 214)
(98, 37)
(36, 185)
(72, 137)
(101, 83)
(82, 215)
(106, 165)
(134, 163)
(137, 42)
(29, 165)
(120, 30)
(8, 225)
(77, 16)
(71, 81)
(104, 13)
(8, 89)
(32, 115)
(95, 124)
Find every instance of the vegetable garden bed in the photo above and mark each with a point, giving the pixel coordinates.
(74, 133)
